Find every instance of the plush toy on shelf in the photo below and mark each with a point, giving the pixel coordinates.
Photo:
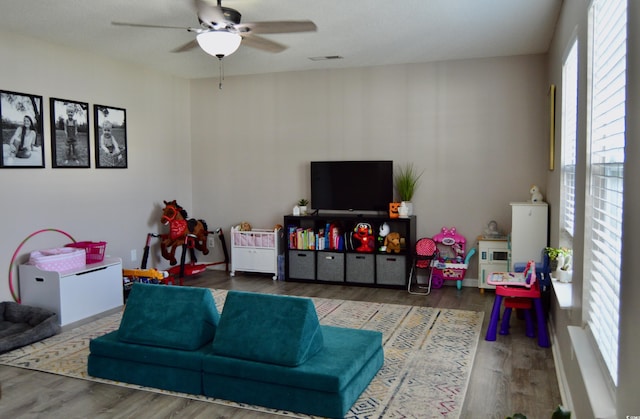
(364, 234)
(382, 234)
(392, 242)
(536, 196)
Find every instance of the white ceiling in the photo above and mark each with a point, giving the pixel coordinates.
(364, 32)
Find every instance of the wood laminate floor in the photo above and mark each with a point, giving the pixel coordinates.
(509, 375)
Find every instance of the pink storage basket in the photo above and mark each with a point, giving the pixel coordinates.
(94, 250)
(58, 259)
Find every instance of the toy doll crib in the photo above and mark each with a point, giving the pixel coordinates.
(452, 261)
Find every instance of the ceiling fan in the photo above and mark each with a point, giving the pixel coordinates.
(221, 32)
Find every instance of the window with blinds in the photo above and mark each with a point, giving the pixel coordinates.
(568, 138)
(606, 130)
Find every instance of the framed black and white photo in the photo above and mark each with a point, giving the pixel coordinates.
(69, 133)
(22, 130)
(110, 136)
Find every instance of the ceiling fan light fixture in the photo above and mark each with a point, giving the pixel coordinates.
(219, 43)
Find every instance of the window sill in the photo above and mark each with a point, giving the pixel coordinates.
(602, 405)
(563, 292)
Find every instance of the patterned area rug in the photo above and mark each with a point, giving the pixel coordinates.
(429, 354)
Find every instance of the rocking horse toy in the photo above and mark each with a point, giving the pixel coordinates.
(182, 231)
(189, 234)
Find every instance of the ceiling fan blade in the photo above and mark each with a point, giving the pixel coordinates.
(186, 47)
(280, 26)
(208, 11)
(264, 44)
(142, 25)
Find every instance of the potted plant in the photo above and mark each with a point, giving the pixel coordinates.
(406, 183)
(557, 257)
(565, 273)
(302, 204)
(552, 253)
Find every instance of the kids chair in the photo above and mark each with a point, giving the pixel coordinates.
(520, 290)
(424, 254)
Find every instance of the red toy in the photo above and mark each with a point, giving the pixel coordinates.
(191, 235)
(364, 234)
(182, 230)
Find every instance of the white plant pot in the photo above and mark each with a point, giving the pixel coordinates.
(564, 276)
(409, 207)
(303, 210)
(403, 211)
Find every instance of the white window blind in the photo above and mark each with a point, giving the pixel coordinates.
(608, 21)
(568, 138)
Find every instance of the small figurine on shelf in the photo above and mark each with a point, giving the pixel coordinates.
(382, 233)
(392, 242)
(492, 232)
(536, 196)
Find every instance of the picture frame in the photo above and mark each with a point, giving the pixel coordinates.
(69, 134)
(110, 135)
(21, 148)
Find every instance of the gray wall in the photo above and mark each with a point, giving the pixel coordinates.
(478, 129)
(115, 205)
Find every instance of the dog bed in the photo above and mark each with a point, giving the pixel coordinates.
(22, 325)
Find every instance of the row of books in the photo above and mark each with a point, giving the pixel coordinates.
(328, 238)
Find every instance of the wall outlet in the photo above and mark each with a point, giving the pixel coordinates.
(211, 243)
(134, 255)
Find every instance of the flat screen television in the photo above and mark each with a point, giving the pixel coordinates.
(359, 185)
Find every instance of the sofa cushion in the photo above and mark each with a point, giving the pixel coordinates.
(165, 368)
(274, 329)
(169, 316)
(344, 354)
(327, 385)
(110, 346)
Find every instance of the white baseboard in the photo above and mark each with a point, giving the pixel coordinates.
(565, 391)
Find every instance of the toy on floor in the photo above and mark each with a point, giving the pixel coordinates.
(191, 235)
(182, 230)
(453, 261)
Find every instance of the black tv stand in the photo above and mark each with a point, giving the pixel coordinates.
(311, 262)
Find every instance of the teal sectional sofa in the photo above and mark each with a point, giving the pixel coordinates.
(266, 350)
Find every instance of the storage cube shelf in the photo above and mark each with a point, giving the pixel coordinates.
(321, 248)
(256, 250)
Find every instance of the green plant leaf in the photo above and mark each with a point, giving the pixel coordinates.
(406, 181)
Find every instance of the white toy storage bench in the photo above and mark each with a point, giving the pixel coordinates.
(76, 294)
(256, 250)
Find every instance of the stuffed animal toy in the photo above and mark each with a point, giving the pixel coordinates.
(383, 231)
(245, 226)
(392, 242)
(536, 196)
(363, 233)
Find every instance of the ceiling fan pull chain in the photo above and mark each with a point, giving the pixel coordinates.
(221, 68)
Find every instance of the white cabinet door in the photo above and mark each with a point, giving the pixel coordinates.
(255, 260)
(528, 231)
